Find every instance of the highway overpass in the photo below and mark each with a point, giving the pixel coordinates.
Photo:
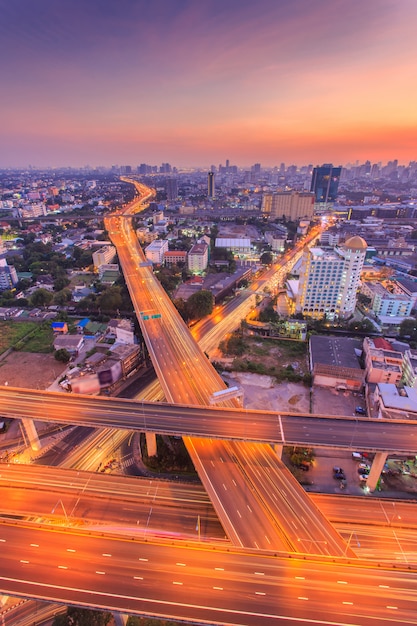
(234, 424)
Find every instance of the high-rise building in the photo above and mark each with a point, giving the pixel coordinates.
(103, 256)
(325, 182)
(210, 185)
(172, 189)
(293, 205)
(198, 257)
(329, 280)
(8, 275)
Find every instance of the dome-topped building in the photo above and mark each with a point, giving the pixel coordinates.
(329, 280)
(356, 243)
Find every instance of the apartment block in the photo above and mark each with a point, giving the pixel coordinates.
(329, 280)
(293, 205)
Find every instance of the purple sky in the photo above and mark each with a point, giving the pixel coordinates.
(195, 83)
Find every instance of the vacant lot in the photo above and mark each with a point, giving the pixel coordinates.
(33, 371)
(278, 358)
(27, 336)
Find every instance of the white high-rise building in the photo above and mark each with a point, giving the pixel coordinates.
(103, 256)
(329, 280)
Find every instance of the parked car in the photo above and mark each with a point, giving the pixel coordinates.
(357, 456)
(363, 471)
(338, 473)
(360, 411)
(303, 466)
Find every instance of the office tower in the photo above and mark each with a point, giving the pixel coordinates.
(292, 205)
(172, 189)
(329, 280)
(325, 182)
(210, 185)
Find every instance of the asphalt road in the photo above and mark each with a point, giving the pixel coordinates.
(197, 583)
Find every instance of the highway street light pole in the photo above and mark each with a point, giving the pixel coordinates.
(63, 508)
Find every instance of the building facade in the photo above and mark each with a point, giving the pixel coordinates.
(293, 205)
(104, 256)
(198, 257)
(325, 183)
(329, 280)
(156, 250)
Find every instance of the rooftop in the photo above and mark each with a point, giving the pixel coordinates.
(335, 351)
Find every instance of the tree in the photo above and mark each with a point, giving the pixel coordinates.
(62, 297)
(200, 304)
(82, 617)
(61, 282)
(41, 297)
(62, 355)
(266, 258)
(408, 328)
(110, 299)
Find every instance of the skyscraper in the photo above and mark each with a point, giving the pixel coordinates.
(325, 182)
(210, 185)
(172, 188)
(329, 280)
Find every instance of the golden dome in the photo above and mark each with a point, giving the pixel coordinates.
(356, 243)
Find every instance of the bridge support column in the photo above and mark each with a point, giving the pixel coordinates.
(278, 448)
(151, 444)
(31, 433)
(120, 619)
(376, 469)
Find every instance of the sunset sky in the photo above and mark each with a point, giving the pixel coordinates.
(196, 82)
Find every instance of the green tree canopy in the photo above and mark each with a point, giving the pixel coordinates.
(41, 297)
(200, 304)
(62, 355)
(266, 258)
(82, 617)
(110, 299)
(408, 328)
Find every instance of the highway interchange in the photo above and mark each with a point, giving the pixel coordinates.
(209, 583)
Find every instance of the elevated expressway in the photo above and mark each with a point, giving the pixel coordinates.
(201, 583)
(248, 491)
(233, 424)
(382, 530)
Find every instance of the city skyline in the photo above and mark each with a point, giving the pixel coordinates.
(103, 83)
